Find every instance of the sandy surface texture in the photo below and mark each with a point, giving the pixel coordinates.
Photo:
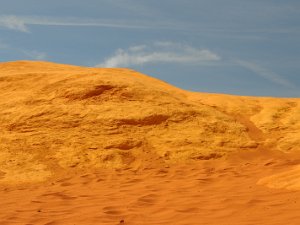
(113, 146)
(209, 192)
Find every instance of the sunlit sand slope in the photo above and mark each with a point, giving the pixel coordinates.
(61, 118)
(113, 146)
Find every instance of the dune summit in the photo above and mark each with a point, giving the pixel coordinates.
(113, 146)
(60, 117)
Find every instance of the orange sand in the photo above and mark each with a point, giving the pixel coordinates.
(113, 146)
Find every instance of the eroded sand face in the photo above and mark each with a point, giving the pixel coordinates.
(109, 146)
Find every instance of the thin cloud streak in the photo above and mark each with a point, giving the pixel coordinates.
(159, 52)
(35, 55)
(265, 73)
(31, 54)
(21, 23)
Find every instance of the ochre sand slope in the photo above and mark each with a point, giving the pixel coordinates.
(108, 146)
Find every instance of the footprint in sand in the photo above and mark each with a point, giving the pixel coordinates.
(112, 210)
(147, 200)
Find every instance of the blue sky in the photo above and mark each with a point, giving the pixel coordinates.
(235, 46)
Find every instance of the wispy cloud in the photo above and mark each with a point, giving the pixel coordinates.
(22, 23)
(13, 23)
(30, 54)
(264, 72)
(159, 52)
(33, 54)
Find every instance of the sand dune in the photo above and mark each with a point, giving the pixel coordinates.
(113, 146)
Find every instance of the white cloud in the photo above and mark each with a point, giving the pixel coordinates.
(32, 54)
(13, 23)
(21, 23)
(168, 44)
(160, 52)
(264, 72)
(36, 55)
(137, 48)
